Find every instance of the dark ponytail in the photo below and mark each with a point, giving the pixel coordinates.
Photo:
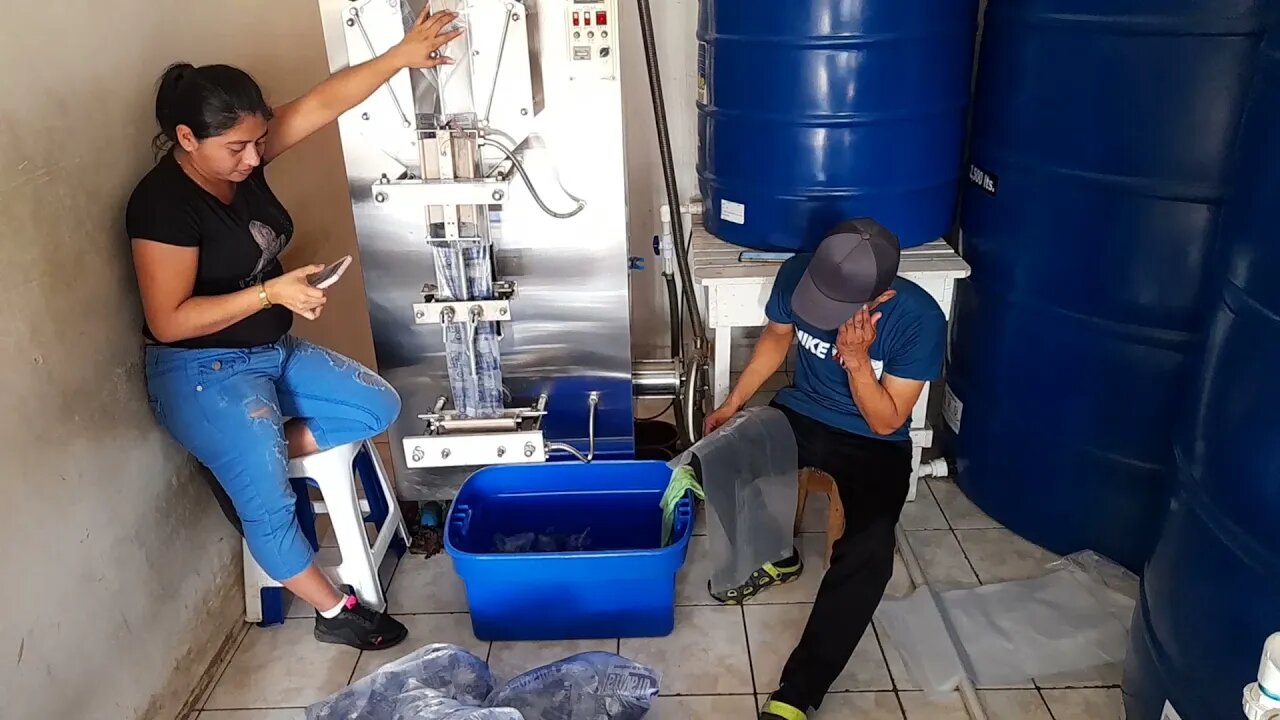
(209, 99)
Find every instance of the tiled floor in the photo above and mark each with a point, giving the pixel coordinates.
(719, 662)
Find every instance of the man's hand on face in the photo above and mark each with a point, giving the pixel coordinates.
(853, 342)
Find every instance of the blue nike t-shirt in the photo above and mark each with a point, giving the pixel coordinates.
(910, 342)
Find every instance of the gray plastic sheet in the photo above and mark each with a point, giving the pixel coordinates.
(749, 474)
(1072, 618)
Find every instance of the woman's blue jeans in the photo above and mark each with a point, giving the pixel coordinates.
(228, 408)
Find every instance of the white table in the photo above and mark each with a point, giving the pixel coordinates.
(735, 293)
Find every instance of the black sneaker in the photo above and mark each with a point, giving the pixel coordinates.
(360, 627)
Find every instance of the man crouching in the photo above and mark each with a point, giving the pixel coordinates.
(869, 341)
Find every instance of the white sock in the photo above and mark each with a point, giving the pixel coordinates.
(334, 611)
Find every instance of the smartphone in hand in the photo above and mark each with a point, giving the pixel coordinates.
(330, 275)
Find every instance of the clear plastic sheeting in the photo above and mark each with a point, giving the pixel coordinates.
(748, 469)
(589, 686)
(409, 684)
(1073, 618)
(445, 682)
(464, 272)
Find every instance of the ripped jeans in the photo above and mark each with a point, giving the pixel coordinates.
(228, 406)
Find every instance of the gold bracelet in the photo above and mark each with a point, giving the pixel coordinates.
(262, 295)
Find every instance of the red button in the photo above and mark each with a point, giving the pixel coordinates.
(586, 18)
(601, 18)
(575, 19)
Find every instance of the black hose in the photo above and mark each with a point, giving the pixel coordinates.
(673, 311)
(669, 173)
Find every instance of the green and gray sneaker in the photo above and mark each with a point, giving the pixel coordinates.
(779, 573)
(775, 710)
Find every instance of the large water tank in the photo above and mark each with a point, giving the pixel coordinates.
(1100, 148)
(1211, 592)
(815, 111)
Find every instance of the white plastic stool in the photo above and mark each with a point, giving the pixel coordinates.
(335, 472)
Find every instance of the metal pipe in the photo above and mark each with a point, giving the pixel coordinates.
(669, 174)
(655, 378)
(519, 166)
(968, 695)
(593, 401)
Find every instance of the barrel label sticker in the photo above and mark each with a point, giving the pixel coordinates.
(702, 73)
(986, 181)
(733, 212)
(952, 409)
(1169, 713)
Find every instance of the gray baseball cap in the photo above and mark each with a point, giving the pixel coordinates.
(855, 264)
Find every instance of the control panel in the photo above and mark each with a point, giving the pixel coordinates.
(590, 29)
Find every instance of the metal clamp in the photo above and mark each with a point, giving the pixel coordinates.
(593, 401)
(443, 313)
(441, 192)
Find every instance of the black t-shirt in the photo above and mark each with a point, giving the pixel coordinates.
(239, 243)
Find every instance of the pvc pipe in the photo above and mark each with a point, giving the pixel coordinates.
(968, 694)
(1262, 698)
(936, 468)
(693, 208)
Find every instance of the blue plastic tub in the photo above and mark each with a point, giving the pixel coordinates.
(621, 584)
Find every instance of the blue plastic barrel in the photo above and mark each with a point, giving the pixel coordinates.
(815, 111)
(568, 551)
(1101, 149)
(1211, 592)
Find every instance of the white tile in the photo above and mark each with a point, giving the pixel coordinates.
(920, 707)
(941, 559)
(426, 585)
(923, 513)
(453, 629)
(960, 511)
(274, 714)
(224, 660)
(998, 704)
(715, 707)
(999, 555)
(283, 666)
(859, 706)
(1108, 675)
(774, 631)
(691, 584)
(1084, 704)
(773, 383)
(510, 659)
(706, 655)
(902, 680)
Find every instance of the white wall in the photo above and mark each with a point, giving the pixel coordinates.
(120, 574)
(674, 24)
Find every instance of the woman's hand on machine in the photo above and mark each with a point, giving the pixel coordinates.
(422, 42)
(294, 292)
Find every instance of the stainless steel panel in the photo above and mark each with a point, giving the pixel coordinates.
(570, 332)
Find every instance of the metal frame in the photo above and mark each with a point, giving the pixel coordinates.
(560, 232)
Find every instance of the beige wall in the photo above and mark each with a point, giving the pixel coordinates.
(120, 574)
